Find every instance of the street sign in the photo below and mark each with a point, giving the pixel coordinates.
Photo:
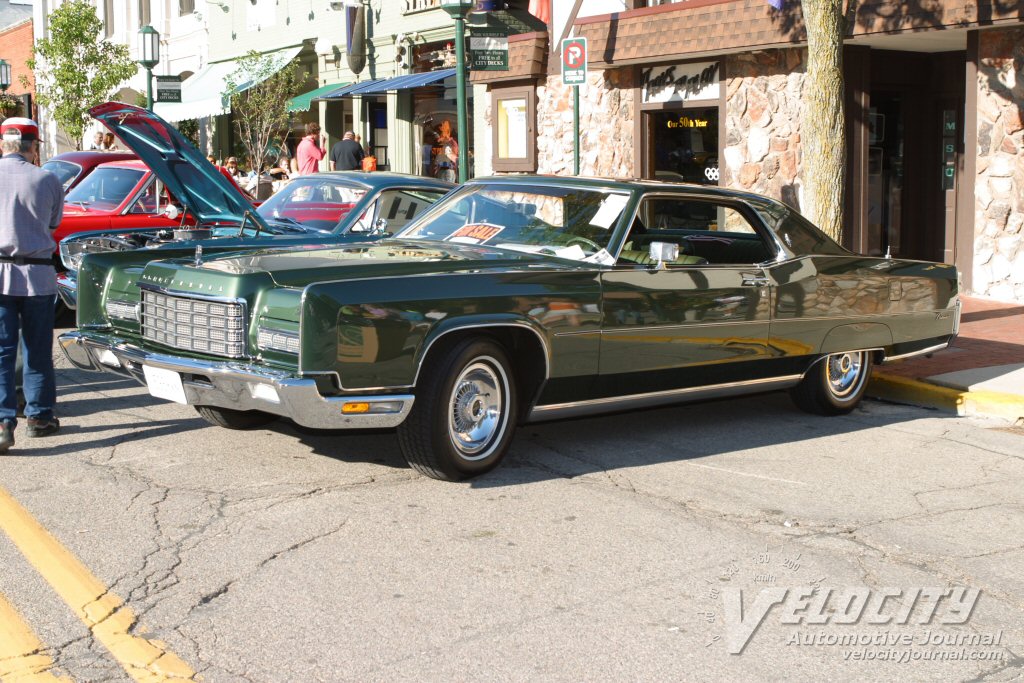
(574, 61)
(168, 88)
(488, 50)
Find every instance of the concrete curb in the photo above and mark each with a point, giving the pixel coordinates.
(921, 393)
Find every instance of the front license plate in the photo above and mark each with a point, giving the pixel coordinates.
(164, 384)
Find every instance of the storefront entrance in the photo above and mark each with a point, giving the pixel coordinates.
(910, 144)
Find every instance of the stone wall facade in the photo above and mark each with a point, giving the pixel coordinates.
(606, 125)
(763, 111)
(999, 185)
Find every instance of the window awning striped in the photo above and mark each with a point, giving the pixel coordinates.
(382, 85)
(304, 101)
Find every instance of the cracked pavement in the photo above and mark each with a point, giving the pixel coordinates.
(595, 553)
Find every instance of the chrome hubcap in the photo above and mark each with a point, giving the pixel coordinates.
(476, 410)
(844, 373)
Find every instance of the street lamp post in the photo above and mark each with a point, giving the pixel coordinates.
(458, 9)
(149, 56)
(5, 75)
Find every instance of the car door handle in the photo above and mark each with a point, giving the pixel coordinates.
(755, 281)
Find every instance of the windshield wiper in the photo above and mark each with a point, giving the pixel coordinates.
(299, 227)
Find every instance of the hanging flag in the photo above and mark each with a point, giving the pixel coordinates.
(541, 9)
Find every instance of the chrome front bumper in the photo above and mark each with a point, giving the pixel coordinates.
(235, 385)
(67, 289)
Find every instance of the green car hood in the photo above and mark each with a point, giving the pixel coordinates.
(389, 258)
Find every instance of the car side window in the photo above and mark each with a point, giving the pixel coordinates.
(400, 207)
(706, 232)
(149, 201)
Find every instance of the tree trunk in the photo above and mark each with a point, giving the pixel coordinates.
(823, 128)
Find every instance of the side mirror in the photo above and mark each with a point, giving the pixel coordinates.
(663, 251)
(381, 226)
(172, 212)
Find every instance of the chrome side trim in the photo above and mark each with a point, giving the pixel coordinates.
(921, 352)
(691, 325)
(237, 385)
(603, 405)
(67, 288)
(868, 318)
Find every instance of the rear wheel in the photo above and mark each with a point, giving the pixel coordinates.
(234, 419)
(464, 415)
(835, 384)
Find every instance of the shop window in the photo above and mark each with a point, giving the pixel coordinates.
(144, 13)
(108, 18)
(514, 111)
(685, 145)
(186, 7)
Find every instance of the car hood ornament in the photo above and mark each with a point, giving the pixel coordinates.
(199, 255)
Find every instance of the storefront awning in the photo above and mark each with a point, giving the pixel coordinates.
(351, 89)
(304, 101)
(408, 81)
(383, 85)
(203, 93)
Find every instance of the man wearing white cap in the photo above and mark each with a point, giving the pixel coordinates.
(31, 206)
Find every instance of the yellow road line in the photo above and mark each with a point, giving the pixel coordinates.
(22, 659)
(105, 614)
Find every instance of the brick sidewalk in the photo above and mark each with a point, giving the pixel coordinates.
(991, 335)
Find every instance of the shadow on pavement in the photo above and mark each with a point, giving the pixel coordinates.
(26, 447)
(571, 448)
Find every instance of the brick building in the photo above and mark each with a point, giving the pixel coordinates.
(711, 91)
(16, 47)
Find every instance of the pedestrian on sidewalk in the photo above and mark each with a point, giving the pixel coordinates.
(347, 154)
(310, 150)
(31, 207)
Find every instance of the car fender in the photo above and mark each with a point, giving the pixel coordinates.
(857, 336)
(481, 323)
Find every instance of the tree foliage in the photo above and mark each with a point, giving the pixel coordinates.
(261, 111)
(75, 68)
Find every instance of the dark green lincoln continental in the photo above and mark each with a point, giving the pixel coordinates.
(516, 299)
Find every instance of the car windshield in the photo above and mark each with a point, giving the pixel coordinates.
(65, 171)
(564, 221)
(105, 188)
(318, 202)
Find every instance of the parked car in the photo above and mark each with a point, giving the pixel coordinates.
(324, 208)
(125, 195)
(71, 167)
(516, 299)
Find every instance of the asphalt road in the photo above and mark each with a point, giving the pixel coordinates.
(667, 544)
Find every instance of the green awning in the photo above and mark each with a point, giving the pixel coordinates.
(304, 101)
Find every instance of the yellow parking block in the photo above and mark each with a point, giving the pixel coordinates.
(103, 613)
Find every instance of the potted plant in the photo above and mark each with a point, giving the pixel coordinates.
(9, 105)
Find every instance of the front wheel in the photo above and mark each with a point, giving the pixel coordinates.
(465, 412)
(234, 419)
(835, 384)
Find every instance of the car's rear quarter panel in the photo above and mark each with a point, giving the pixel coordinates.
(828, 304)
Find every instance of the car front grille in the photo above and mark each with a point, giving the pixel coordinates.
(194, 324)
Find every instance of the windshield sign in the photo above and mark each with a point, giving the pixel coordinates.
(105, 188)
(568, 222)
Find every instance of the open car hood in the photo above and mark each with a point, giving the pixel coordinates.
(183, 169)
